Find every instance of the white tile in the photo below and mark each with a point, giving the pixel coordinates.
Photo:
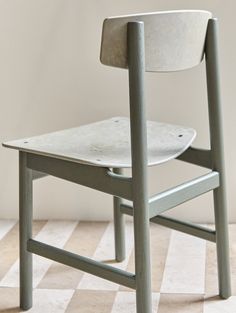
(6, 226)
(185, 265)
(51, 301)
(125, 302)
(105, 251)
(55, 233)
(217, 305)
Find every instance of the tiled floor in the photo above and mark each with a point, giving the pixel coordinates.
(184, 276)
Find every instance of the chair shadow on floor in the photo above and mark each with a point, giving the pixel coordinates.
(109, 261)
(11, 310)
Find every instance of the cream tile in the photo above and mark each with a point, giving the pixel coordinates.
(180, 303)
(51, 300)
(6, 226)
(160, 237)
(9, 300)
(90, 301)
(105, 253)
(215, 304)
(83, 241)
(211, 279)
(55, 233)
(185, 265)
(125, 302)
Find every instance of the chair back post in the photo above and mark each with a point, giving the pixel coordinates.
(214, 95)
(136, 66)
(217, 155)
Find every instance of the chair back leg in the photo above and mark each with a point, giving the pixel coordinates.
(25, 220)
(217, 153)
(139, 167)
(119, 225)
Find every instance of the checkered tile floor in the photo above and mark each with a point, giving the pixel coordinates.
(184, 275)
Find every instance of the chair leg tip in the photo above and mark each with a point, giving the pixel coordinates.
(120, 258)
(25, 307)
(225, 295)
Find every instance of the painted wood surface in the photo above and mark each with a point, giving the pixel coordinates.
(174, 40)
(107, 143)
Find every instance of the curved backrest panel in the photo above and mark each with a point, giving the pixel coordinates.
(174, 40)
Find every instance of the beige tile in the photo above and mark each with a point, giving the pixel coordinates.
(9, 300)
(180, 303)
(37, 226)
(130, 268)
(48, 301)
(211, 264)
(184, 271)
(160, 237)
(90, 301)
(9, 246)
(84, 241)
(6, 226)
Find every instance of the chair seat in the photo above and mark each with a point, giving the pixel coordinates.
(107, 143)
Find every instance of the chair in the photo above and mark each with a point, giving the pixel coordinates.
(158, 42)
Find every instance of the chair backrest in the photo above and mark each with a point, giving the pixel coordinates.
(174, 40)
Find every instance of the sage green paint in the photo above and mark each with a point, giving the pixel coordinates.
(119, 225)
(138, 125)
(33, 166)
(186, 227)
(82, 263)
(25, 222)
(217, 151)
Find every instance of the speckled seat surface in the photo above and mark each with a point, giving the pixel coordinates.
(107, 143)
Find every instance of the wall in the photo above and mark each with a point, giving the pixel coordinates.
(51, 78)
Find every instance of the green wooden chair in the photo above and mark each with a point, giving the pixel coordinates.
(94, 155)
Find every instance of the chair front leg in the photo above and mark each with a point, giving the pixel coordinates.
(142, 257)
(119, 226)
(222, 242)
(25, 220)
